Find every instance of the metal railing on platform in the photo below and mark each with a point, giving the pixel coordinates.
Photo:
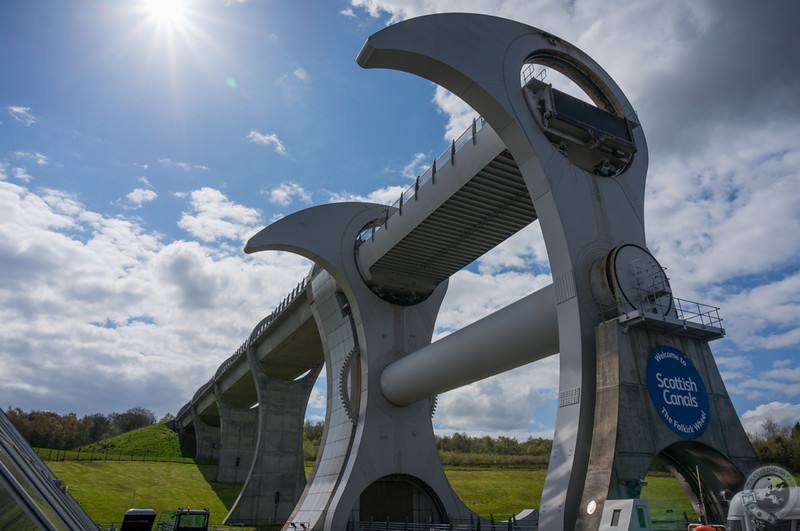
(260, 329)
(428, 176)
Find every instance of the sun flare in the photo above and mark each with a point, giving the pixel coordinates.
(167, 13)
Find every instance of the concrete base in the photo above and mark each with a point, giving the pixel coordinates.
(628, 515)
(629, 434)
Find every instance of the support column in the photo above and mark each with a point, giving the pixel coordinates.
(276, 477)
(584, 212)
(238, 432)
(369, 444)
(207, 437)
(630, 431)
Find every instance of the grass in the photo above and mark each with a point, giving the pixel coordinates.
(153, 443)
(154, 440)
(498, 492)
(666, 498)
(106, 489)
(503, 492)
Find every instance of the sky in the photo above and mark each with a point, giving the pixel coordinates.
(142, 143)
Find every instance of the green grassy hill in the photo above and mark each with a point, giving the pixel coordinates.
(155, 440)
(106, 489)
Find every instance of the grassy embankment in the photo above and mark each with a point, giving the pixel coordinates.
(143, 468)
(106, 489)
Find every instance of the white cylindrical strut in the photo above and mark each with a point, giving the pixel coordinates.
(520, 333)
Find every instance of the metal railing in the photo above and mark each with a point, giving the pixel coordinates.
(653, 284)
(261, 328)
(697, 312)
(468, 137)
(529, 72)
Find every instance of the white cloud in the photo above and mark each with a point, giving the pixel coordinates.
(137, 198)
(102, 307)
(16, 172)
(183, 166)
(214, 217)
(734, 362)
(348, 13)
(22, 115)
(514, 404)
(517, 403)
(22, 174)
(383, 196)
(271, 139)
(284, 194)
(782, 413)
(417, 166)
(7, 170)
(524, 251)
(471, 296)
(460, 115)
(37, 157)
(300, 74)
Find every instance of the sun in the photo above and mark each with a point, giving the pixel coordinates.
(169, 14)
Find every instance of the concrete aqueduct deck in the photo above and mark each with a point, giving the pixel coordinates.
(368, 309)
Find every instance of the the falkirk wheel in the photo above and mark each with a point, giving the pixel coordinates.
(637, 378)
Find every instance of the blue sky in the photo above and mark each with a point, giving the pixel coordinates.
(140, 149)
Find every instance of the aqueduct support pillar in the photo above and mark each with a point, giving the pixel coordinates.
(276, 477)
(238, 430)
(369, 445)
(207, 437)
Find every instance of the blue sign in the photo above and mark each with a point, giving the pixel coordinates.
(677, 392)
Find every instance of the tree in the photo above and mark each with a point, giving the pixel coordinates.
(133, 419)
(98, 427)
(778, 444)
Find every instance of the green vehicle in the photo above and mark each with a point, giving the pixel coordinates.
(183, 520)
(180, 520)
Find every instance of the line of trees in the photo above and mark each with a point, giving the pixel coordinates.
(464, 444)
(778, 445)
(775, 444)
(461, 449)
(45, 429)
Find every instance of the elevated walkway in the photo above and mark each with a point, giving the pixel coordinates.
(471, 199)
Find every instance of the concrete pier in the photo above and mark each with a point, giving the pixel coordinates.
(238, 432)
(276, 478)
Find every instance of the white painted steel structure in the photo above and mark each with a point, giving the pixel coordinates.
(369, 306)
(518, 334)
